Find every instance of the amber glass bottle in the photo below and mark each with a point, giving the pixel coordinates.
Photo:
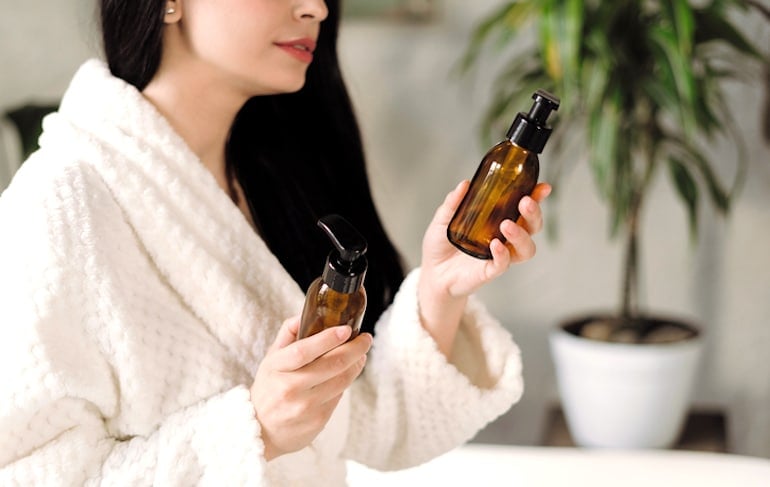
(508, 172)
(337, 297)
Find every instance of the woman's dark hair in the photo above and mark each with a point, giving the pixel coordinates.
(298, 156)
(132, 38)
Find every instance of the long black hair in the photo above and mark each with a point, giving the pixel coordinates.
(298, 156)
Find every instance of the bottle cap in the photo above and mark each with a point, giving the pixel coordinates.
(529, 130)
(346, 265)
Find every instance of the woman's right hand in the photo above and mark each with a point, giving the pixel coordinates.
(299, 383)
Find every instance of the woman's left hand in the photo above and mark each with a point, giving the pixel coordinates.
(459, 274)
(448, 276)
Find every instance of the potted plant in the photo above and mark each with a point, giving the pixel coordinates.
(640, 83)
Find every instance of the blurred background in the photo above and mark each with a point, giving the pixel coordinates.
(421, 131)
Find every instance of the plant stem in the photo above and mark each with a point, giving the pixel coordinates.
(630, 301)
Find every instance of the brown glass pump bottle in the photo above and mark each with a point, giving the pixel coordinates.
(507, 173)
(338, 296)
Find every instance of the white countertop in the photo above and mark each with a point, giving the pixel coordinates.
(481, 465)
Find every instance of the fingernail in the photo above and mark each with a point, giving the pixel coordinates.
(343, 331)
(529, 203)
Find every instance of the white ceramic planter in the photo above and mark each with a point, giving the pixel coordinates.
(624, 396)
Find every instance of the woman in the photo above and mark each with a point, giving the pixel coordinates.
(166, 228)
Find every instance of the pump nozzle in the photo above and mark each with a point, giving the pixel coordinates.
(529, 129)
(346, 267)
(544, 104)
(349, 243)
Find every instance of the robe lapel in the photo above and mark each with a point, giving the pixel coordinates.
(198, 239)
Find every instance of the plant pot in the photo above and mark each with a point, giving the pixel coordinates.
(621, 395)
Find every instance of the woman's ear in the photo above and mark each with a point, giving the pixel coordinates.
(173, 11)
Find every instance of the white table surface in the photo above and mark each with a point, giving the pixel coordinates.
(481, 465)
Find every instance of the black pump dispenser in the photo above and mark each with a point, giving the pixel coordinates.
(346, 265)
(338, 296)
(528, 130)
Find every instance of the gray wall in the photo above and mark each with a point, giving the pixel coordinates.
(41, 44)
(421, 127)
(420, 130)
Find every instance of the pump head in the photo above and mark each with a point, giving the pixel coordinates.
(346, 265)
(544, 104)
(529, 130)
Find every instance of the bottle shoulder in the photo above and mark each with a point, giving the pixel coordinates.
(507, 153)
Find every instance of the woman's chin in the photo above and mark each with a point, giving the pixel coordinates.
(283, 88)
(295, 85)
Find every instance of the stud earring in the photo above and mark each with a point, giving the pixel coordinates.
(170, 10)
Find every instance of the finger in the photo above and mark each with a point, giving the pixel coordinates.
(334, 401)
(521, 245)
(448, 208)
(531, 218)
(541, 191)
(501, 259)
(287, 334)
(332, 388)
(338, 360)
(306, 350)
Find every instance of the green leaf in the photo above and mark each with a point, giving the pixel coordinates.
(504, 21)
(563, 25)
(594, 83)
(521, 12)
(708, 90)
(712, 26)
(719, 196)
(683, 21)
(512, 92)
(681, 71)
(549, 49)
(623, 189)
(603, 127)
(687, 189)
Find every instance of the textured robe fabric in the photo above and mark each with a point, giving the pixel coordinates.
(136, 303)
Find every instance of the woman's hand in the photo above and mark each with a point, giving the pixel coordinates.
(449, 276)
(460, 274)
(299, 383)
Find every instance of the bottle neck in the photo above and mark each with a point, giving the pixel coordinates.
(527, 134)
(346, 281)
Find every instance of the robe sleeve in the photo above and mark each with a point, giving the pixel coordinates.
(59, 390)
(411, 403)
(66, 443)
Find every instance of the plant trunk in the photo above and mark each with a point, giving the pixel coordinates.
(630, 300)
(629, 310)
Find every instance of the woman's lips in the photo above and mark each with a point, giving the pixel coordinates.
(301, 49)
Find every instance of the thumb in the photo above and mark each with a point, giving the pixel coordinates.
(452, 201)
(287, 334)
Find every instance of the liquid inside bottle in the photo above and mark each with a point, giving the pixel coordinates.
(506, 175)
(326, 308)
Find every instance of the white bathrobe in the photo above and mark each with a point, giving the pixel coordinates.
(136, 304)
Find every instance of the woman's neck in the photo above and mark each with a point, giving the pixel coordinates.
(202, 113)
